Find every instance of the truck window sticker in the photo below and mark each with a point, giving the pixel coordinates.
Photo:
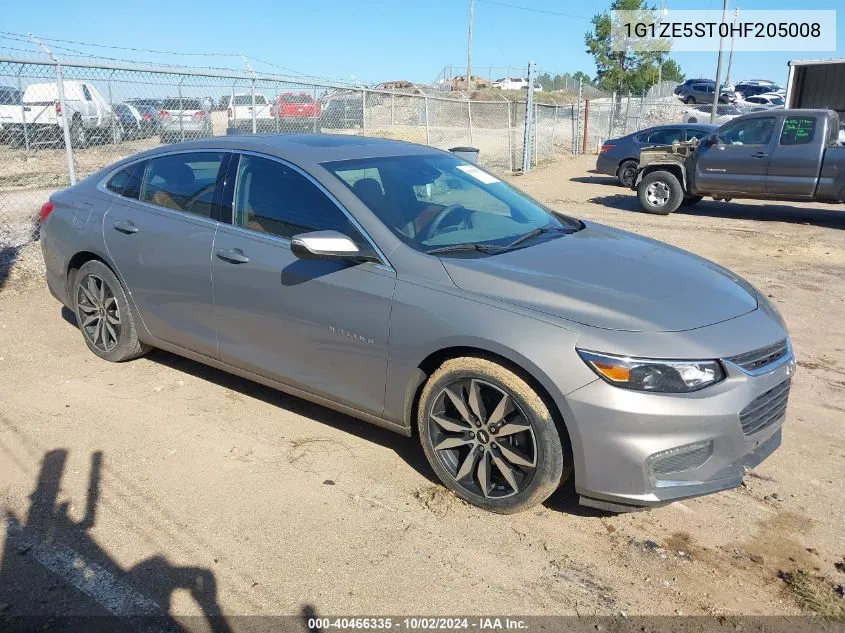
(798, 130)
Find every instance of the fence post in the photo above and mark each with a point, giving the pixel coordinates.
(510, 137)
(584, 147)
(572, 116)
(23, 112)
(610, 122)
(577, 139)
(252, 93)
(364, 111)
(536, 131)
(114, 121)
(181, 110)
(627, 113)
(469, 119)
(66, 132)
(427, 134)
(640, 113)
(527, 138)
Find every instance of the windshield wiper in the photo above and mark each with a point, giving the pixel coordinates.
(532, 234)
(466, 246)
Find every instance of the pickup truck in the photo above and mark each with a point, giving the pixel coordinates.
(298, 112)
(790, 155)
(239, 111)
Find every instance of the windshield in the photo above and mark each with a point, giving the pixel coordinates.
(432, 202)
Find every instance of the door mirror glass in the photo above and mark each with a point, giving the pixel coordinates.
(710, 140)
(324, 245)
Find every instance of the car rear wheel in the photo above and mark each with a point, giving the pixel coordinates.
(689, 99)
(627, 172)
(78, 135)
(103, 314)
(660, 192)
(489, 437)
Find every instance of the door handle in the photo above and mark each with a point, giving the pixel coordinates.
(232, 255)
(759, 155)
(126, 227)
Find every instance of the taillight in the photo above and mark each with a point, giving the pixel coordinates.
(148, 116)
(199, 114)
(164, 114)
(46, 210)
(606, 148)
(58, 108)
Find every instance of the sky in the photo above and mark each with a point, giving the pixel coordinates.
(367, 40)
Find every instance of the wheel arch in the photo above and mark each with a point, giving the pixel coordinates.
(77, 261)
(436, 358)
(675, 169)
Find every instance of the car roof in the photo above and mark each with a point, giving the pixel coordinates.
(304, 148)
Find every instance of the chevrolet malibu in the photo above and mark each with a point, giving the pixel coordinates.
(408, 288)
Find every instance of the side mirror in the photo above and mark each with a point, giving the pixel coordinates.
(324, 245)
(710, 140)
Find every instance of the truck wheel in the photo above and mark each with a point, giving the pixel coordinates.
(78, 136)
(691, 200)
(627, 172)
(660, 192)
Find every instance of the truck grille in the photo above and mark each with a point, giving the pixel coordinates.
(765, 410)
(757, 359)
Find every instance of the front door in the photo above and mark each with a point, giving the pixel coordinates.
(739, 161)
(317, 325)
(160, 234)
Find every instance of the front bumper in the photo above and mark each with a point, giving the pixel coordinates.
(644, 449)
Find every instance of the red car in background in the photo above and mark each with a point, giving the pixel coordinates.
(298, 111)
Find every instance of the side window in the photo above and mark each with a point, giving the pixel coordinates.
(127, 182)
(798, 130)
(184, 182)
(756, 131)
(665, 137)
(696, 134)
(271, 197)
(86, 92)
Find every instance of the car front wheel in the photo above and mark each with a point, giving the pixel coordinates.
(489, 437)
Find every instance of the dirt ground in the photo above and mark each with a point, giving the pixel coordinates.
(161, 485)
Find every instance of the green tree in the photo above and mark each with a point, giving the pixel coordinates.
(626, 70)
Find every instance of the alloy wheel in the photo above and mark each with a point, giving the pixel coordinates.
(483, 438)
(98, 312)
(658, 193)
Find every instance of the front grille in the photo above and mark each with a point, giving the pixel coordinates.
(765, 410)
(759, 358)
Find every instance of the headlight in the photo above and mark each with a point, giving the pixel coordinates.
(655, 375)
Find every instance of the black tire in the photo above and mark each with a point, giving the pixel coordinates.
(690, 99)
(78, 135)
(97, 294)
(692, 119)
(659, 185)
(691, 200)
(627, 172)
(487, 445)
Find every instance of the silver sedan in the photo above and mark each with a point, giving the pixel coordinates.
(408, 288)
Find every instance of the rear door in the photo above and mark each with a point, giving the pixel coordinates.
(796, 159)
(317, 325)
(159, 233)
(739, 162)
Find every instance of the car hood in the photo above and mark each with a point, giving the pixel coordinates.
(611, 279)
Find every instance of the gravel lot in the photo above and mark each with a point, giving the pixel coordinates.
(216, 495)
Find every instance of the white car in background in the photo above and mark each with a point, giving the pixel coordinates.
(701, 114)
(768, 99)
(515, 83)
(239, 109)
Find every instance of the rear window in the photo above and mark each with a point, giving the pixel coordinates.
(242, 100)
(186, 104)
(296, 99)
(184, 182)
(9, 96)
(798, 130)
(127, 182)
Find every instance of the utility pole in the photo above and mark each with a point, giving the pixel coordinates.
(717, 92)
(731, 56)
(469, 47)
(660, 54)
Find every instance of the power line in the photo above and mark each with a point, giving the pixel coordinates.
(535, 10)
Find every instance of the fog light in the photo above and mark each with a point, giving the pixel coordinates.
(680, 459)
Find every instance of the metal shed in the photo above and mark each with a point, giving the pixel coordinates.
(817, 83)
